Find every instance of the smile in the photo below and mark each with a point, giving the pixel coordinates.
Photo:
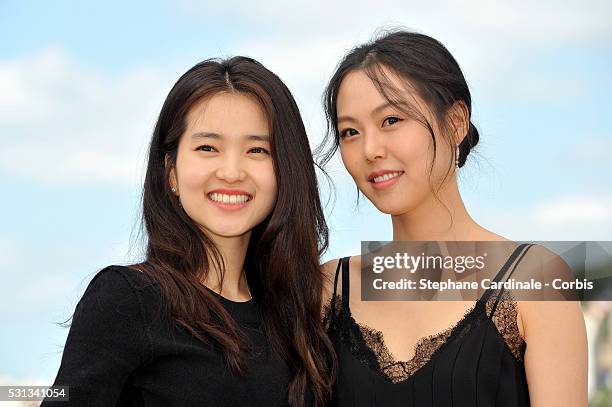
(385, 179)
(230, 200)
(387, 176)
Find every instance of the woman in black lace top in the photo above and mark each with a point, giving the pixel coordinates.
(399, 110)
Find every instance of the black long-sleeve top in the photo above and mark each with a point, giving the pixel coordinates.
(122, 351)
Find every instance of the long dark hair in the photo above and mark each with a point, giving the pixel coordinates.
(421, 61)
(283, 257)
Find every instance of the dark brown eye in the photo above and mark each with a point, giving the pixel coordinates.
(258, 150)
(348, 132)
(205, 148)
(391, 120)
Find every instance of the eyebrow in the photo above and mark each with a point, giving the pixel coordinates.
(374, 111)
(217, 136)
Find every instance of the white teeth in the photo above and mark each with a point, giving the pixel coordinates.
(229, 199)
(387, 176)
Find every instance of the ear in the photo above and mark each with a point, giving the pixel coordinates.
(172, 175)
(459, 120)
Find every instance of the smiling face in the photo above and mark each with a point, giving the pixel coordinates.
(387, 152)
(224, 174)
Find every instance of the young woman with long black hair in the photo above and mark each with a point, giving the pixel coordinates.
(225, 309)
(399, 111)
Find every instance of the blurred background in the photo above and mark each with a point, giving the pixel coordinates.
(81, 84)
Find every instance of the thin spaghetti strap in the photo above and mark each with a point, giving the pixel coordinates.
(523, 252)
(333, 299)
(503, 270)
(509, 262)
(345, 285)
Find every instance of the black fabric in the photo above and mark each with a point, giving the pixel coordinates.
(474, 366)
(123, 350)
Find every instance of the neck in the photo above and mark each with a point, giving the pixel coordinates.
(431, 220)
(234, 284)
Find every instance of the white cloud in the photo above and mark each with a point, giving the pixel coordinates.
(546, 21)
(63, 124)
(578, 210)
(570, 217)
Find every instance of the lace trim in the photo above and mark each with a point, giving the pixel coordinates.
(505, 319)
(368, 345)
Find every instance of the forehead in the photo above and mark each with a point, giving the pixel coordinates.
(231, 113)
(358, 93)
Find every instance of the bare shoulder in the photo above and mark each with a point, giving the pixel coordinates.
(329, 275)
(550, 263)
(330, 269)
(544, 265)
(548, 313)
(556, 356)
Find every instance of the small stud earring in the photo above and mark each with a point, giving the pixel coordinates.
(174, 190)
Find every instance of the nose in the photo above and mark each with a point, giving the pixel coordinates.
(231, 170)
(374, 146)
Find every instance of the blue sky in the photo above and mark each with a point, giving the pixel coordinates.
(81, 85)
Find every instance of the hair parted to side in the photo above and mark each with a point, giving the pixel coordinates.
(283, 258)
(427, 68)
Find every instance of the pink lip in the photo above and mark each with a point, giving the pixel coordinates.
(384, 184)
(230, 192)
(228, 206)
(381, 172)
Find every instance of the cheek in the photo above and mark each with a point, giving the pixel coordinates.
(192, 176)
(265, 180)
(415, 151)
(351, 160)
(442, 163)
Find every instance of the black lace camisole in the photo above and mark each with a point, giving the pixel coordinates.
(476, 362)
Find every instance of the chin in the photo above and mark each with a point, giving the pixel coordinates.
(393, 209)
(226, 231)
(233, 232)
(388, 210)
